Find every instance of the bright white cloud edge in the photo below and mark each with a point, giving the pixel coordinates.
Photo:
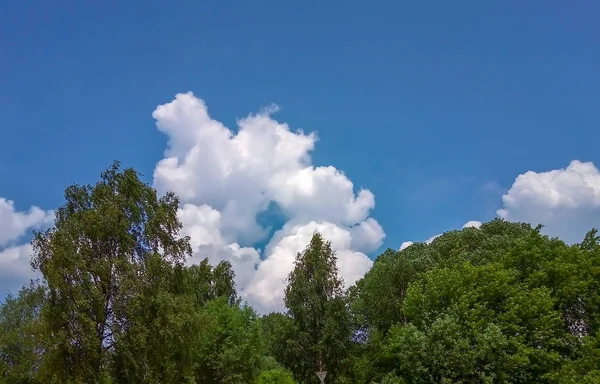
(15, 268)
(226, 178)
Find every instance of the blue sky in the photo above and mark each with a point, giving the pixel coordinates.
(435, 107)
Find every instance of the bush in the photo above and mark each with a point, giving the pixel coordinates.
(275, 376)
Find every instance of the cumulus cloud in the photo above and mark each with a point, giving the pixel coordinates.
(225, 179)
(566, 201)
(14, 224)
(267, 286)
(14, 258)
(15, 268)
(203, 225)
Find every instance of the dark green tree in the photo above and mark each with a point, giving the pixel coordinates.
(320, 319)
(22, 345)
(206, 282)
(502, 303)
(275, 376)
(227, 344)
(95, 261)
(158, 344)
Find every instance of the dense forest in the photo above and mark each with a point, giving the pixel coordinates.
(116, 303)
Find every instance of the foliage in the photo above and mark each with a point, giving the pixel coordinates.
(499, 304)
(228, 344)
(317, 306)
(96, 260)
(275, 376)
(21, 336)
(117, 304)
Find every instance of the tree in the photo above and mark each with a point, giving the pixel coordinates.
(277, 329)
(158, 344)
(477, 324)
(377, 298)
(275, 376)
(95, 261)
(206, 282)
(228, 348)
(502, 303)
(117, 304)
(22, 345)
(317, 306)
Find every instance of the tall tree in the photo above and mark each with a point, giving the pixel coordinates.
(94, 261)
(317, 306)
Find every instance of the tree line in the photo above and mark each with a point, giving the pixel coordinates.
(116, 303)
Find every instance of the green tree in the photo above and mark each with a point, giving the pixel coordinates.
(190, 328)
(277, 329)
(317, 307)
(22, 345)
(206, 282)
(95, 261)
(477, 324)
(498, 304)
(275, 376)
(502, 303)
(158, 344)
(228, 348)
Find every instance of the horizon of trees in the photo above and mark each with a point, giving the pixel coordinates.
(117, 304)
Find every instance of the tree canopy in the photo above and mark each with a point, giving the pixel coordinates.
(117, 302)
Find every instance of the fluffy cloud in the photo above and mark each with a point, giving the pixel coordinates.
(14, 224)
(14, 258)
(566, 201)
(268, 283)
(15, 268)
(226, 179)
(203, 225)
(468, 224)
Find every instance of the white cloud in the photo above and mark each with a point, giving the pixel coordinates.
(226, 179)
(366, 236)
(14, 224)
(566, 201)
(266, 288)
(203, 225)
(15, 268)
(468, 224)
(472, 224)
(430, 240)
(14, 258)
